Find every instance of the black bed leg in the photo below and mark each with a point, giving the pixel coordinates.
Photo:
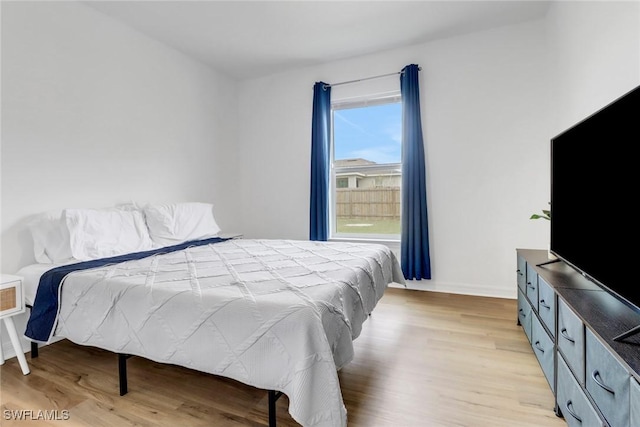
(34, 345)
(34, 350)
(122, 371)
(273, 396)
(272, 408)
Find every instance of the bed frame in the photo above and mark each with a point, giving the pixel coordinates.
(122, 376)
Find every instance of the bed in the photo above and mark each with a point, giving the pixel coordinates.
(280, 315)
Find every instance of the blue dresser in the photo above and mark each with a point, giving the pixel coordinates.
(570, 323)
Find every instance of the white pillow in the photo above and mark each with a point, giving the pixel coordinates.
(104, 233)
(180, 222)
(50, 237)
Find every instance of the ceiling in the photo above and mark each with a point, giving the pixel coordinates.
(247, 39)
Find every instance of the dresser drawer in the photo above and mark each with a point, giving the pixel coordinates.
(607, 382)
(635, 403)
(543, 348)
(522, 274)
(547, 305)
(11, 301)
(532, 286)
(524, 314)
(571, 339)
(572, 401)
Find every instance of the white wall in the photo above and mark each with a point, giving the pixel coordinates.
(485, 118)
(94, 114)
(596, 56)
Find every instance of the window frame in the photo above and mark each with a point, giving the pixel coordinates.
(350, 103)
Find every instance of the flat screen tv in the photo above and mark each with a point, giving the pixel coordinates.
(594, 190)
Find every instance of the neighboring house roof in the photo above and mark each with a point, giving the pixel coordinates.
(352, 162)
(382, 170)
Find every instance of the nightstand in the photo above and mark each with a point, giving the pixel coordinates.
(12, 303)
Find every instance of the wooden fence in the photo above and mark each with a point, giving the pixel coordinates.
(368, 203)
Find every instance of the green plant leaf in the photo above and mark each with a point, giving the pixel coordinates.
(545, 215)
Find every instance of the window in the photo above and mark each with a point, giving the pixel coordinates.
(342, 182)
(366, 168)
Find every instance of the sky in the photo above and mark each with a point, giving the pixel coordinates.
(373, 133)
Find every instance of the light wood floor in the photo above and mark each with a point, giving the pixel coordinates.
(423, 359)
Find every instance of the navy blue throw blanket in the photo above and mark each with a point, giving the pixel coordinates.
(45, 307)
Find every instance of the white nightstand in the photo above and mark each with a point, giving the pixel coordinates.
(12, 303)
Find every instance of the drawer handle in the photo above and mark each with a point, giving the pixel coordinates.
(595, 375)
(529, 285)
(519, 272)
(544, 304)
(521, 312)
(563, 332)
(537, 345)
(569, 405)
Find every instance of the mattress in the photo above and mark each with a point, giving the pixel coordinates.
(275, 314)
(31, 277)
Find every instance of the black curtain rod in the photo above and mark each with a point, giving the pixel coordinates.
(366, 78)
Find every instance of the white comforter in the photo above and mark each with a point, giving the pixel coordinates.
(274, 314)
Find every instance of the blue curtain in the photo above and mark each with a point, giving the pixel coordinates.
(320, 162)
(414, 245)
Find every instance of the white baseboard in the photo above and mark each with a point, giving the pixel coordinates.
(7, 348)
(9, 352)
(20, 321)
(457, 288)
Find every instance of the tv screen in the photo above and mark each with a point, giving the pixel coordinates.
(594, 185)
